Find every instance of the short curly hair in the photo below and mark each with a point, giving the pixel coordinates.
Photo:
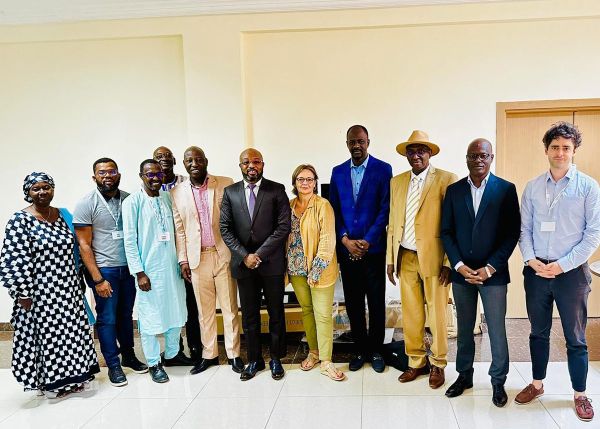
(565, 130)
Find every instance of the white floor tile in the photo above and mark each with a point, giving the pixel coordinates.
(227, 384)
(387, 383)
(139, 413)
(10, 389)
(562, 410)
(557, 380)
(226, 413)
(68, 413)
(395, 412)
(476, 412)
(482, 383)
(316, 412)
(181, 385)
(310, 383)
(10, 406)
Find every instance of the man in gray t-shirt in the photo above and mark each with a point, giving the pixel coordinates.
(99, 228)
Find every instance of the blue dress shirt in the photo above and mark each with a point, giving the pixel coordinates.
(357, 172)
(570, 206)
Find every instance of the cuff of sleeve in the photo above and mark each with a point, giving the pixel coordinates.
(565, 265)
(183, 262)
(528, 255)
(492, 267)
(458, 265)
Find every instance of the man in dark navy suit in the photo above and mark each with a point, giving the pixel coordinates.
(360, 197)
(480, 229)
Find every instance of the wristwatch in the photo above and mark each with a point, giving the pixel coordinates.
(98, 282)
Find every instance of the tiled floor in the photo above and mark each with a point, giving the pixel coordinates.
(218, 399)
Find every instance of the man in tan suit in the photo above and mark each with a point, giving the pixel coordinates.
(415, 253)
(204, 258)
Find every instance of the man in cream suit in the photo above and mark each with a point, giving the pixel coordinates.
(204, 258)
(415, 253)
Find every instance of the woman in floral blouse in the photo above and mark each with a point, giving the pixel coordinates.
(312, 267)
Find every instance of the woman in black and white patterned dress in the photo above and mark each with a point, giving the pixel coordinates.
(53, 350)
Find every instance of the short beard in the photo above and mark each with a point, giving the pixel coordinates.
(106, 189)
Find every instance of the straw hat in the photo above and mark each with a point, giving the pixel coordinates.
(418, 137)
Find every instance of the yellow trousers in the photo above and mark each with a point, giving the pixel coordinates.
(417, 291)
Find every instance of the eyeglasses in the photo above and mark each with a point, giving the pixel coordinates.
(476, 156)
(420, 151)
(160, 175)
(247, 163)
(112, 172)
(308, 180)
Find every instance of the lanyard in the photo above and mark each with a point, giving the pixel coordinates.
(118, 216)
(552, 204)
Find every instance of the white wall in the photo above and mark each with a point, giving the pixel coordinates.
(288, 83)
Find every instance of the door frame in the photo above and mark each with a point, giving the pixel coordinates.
(503, 109)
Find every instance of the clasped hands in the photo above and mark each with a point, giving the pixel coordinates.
(548, 271)
(357, 248)
(475, 277)
(252, 261)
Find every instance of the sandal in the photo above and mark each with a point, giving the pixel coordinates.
(310, 362)
(332, 372)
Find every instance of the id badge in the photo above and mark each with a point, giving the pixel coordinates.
(165, 236)
(548, 227)
(117, 235)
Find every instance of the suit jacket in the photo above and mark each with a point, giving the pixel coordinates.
(266, 234)
(428, 220)
(488, 238)
(368, 216)
(188, 234)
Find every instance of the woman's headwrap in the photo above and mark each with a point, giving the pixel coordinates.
(32, 179)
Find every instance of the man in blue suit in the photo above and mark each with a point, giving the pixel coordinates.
(360, 196)
(480, 229)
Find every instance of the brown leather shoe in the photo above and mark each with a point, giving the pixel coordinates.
(528, 394)
(436, 377)
(584, 409)
(411, 373)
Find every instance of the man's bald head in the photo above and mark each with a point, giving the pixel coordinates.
(483, 143)
(251, 165)
(479, 159)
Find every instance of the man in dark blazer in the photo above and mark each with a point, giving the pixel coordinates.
(255, 223)
(360, 196)
(480, 229)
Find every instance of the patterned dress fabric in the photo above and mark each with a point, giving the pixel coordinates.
(52, 346)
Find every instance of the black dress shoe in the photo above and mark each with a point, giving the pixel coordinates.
(158, 374)
(277, 371)
(459, 386)
(237, 364)
(203, 365)
(499, 396)
(377, 362)
(356, 363)
(134, 364)
(251, 369)
(179, 359)
(117, 376)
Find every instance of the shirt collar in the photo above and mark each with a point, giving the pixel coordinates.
(116, 197)
(247, 185)
(203, 187)
(572, 171)
(422, 175)
(364, 163)
(483, 182)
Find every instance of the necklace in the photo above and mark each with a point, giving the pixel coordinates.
(44, 217)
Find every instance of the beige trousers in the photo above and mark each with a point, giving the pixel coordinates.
(417, 291)
(211, 281)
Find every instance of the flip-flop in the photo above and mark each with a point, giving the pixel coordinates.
(310, 362)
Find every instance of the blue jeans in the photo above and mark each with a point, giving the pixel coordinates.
(570, 291)
(114, 315)
(494, 307)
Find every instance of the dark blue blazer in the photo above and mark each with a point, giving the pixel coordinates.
(367, 218)
(488, 238)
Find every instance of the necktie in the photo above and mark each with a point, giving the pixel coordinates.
(412, 204)
(251, 199)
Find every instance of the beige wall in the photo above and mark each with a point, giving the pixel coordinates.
(289, 84)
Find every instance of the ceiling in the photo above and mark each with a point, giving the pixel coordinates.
(13, 12)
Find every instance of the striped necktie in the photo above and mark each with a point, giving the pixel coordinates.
(412, 205)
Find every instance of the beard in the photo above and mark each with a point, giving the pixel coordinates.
(104, 188)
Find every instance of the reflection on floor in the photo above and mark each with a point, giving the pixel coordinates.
(218, 399)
